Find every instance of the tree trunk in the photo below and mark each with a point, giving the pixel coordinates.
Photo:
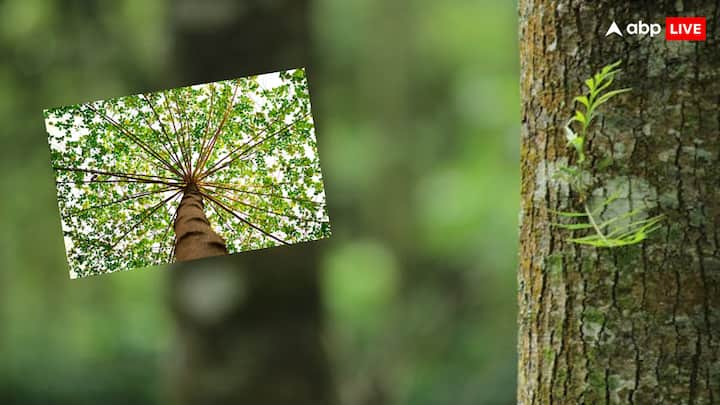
(249, 327)
(637, 324)
(194, 238)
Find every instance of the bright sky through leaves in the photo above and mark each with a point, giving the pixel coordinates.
(121, 166)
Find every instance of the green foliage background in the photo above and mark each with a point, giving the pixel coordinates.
(421, 107)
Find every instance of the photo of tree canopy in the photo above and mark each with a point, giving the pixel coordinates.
(187, 173)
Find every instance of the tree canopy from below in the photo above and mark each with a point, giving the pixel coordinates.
(247, 147)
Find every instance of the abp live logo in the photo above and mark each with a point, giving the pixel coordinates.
(685, 28)
(676, 29)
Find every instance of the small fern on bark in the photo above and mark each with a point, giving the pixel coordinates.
(626, 228)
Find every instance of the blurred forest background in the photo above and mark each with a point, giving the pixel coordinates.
(418, 103)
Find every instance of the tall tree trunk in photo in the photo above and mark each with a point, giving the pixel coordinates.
(194, 237)
(249, 327)
(638, 324)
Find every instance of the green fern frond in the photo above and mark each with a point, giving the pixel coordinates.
(604, 233)
(594, 98)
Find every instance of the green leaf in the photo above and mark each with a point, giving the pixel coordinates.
(580, 117)
(572, 226)
(582, 100)
(569, 214)
(590, 83)
(607, 96)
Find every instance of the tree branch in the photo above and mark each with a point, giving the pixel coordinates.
(300, 219)
(133, 176)
(165, 234)
(184, 135)
(204, 157)
(183, 153)
(137, 141)
(215, 168)
(205, 137)
(167, 146)
(229, 187)
(223, 221)
(244, 220)
(124, 199)
(113, 181)
(146, 214)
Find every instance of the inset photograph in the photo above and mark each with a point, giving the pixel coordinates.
(187, 173)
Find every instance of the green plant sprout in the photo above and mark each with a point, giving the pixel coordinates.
(621, 230)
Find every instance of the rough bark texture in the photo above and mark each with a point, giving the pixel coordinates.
(194, 238)
(638, 324)
(249, 327)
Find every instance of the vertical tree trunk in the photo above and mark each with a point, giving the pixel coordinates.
(249, 327)
(194, 237)
(637, 324)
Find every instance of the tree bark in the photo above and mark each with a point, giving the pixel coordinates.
(194, 237)
(637, 324)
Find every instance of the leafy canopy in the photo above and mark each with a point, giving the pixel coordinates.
(122, 164)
